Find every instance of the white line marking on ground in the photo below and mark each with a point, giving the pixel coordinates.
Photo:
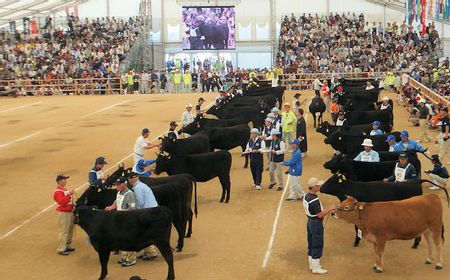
(20, 107)
(20, 139)
(82, 186)
(274, 227)
(63, 123)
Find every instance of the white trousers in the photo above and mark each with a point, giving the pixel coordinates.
(295, 190)
(438, 180)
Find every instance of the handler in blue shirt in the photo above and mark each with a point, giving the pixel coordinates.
(140, 166)
(404, 171)
(144, 195)
(96, 176)
(144, 199)
(406, 144)
(295, 171)
(376, 129)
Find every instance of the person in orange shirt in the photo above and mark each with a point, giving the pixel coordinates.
(63, 197)
(334, 109)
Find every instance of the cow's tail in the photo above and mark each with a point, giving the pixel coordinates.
(441, 187)
(195, 195)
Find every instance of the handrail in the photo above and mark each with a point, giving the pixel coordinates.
(61, 86)
(429, 93)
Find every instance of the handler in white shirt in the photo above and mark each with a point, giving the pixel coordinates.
(142, 144)
(368, 155)
(187, 117)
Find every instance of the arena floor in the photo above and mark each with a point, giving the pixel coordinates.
(43, 136)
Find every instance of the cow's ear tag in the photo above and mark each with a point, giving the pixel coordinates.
(361, 207)
(99, 189)
(340, 180)
(198, 125)
(123, 173)
(343, 177)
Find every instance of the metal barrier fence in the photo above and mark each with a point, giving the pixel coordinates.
(429, 93)
(63, 86)
(303, 81)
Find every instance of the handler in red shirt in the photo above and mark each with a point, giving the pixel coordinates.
(63, 197)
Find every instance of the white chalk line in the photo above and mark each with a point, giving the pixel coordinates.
(274, 227)
(20, 107)
(78, 188)
(62, 124)
(20, 139)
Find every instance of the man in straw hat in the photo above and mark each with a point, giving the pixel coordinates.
(368, 154)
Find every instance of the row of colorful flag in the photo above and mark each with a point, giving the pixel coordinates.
(420, 10)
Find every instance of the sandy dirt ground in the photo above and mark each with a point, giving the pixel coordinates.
(43, 136)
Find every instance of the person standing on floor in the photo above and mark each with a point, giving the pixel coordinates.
(295, 172)
(125, 201)
(301, 133)
(317, 85)
(439, 173)
(63, 198)
(277, 149)
(144, 199)
(445, 131)
(289, 121)
(424, 116)
(255, 148)
(142, 144)
(315, 213)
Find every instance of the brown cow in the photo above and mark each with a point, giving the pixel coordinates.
(404, 219)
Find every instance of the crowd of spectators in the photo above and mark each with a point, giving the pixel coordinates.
(87, 49)
(347, 43)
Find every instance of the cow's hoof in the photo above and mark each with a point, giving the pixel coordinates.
(438, 267)
(428, 261)
(414, 246)
(188, 235)
(221, 201)
(179, 249)
(356, 243)
(227, 201)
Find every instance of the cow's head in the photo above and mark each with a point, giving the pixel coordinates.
(162, 162)
(167, 143)
(348, 210)
(120, 172)
(334, 139)
(335, 163)
(335, 185)
(97, 196)
(324, 128)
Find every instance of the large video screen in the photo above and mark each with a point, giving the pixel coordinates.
(209, 28)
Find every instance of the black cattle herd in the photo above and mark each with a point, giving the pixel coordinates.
(195, 159)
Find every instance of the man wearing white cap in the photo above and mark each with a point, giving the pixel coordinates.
(289, 121)
(424, 116)
(277, 149)
(187, 117)
(315, 213)
(255, 148)
(277, 124)
(368, 155)
(384, 105)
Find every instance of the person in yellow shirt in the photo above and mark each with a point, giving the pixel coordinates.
(289, 122)
(177, 81)
(187, 78)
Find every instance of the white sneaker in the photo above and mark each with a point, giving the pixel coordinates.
(433, 188)
(258, 187)
(310, 262)
(317, 269)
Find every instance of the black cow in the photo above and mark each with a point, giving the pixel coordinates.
(317, 108)
(196, 144)
(374, 192)
(226, 138)
(327, 129)
(202, 167)
(166, 194)
(201, 122)
(128, 231)
(365, 117)
(365, 171)
(350, 144)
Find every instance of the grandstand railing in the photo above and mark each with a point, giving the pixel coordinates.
(429, 93)
(303, 81)
(63, 86)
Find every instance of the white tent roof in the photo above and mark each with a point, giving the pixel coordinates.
(11, 10)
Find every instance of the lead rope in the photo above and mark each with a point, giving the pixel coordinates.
(326, 220)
